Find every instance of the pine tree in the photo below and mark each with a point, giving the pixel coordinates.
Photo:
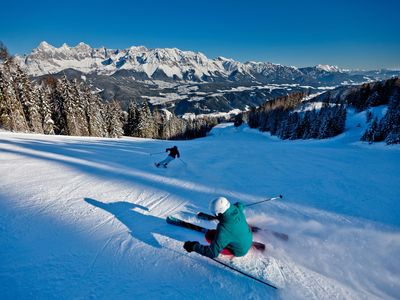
(303, 125)
(94, 115)
(4, 113)
(370, 134)
(146, 125)
(238, 120)
(369, 116)
(315, 121)
(113, 120)
(46, 110)
(81, 108)
(159, 123)
(173, 127)
(59, 113)
(14, 115)
(29, 98)
(393, 136)
(332, 121)
(35, 120)
(74, 108)
(67, 98)
(294, 122)
(390, 123)
(131, 126)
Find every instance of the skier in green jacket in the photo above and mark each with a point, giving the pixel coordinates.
(233, 235)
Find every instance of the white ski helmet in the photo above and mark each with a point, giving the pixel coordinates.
(219, 205)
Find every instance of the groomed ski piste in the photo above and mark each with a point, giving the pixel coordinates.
(84, 218)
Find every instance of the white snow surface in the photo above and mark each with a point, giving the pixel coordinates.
(85, 217)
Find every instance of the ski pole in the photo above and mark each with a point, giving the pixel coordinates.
(269, 199)
(182, 161)
(245, 274)
(156, 153)
(208, 217)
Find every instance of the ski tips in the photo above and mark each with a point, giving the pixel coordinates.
(259, 246)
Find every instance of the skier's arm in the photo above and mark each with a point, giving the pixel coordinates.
(239, 205)
(216, 246)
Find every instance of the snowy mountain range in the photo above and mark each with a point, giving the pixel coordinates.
(184, 81)
(163, 63)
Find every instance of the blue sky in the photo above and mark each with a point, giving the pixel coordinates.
(350, 34)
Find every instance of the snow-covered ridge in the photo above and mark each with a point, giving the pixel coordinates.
(328, 68)
(170, 62)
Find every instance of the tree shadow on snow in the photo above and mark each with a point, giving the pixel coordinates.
(108, 163)
(141, 226)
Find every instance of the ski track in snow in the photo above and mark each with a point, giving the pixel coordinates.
(85, 217)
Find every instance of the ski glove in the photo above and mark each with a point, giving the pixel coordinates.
(189, 245)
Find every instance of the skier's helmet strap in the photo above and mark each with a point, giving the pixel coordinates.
(219, 206)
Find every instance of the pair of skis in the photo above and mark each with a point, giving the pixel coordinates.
(174, 221)
(160, 165)
(257, 245)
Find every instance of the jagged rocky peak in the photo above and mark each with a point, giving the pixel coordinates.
(260, 67)
(228, 63)
(328, 68)
(83, 47)
(44, 46)
(65, 52)
(177, 55)
(221, 58)
(64, 46)
(135, 49)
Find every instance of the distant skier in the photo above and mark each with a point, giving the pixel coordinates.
(233, 235)
(173, 152)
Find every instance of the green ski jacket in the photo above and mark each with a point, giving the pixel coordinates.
(233, 233)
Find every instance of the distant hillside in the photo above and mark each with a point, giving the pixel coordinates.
(323, 116)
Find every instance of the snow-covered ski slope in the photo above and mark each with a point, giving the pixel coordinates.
(84, 218)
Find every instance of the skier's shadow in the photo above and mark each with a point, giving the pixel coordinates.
(141, 226)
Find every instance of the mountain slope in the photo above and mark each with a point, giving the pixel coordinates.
(85, 217)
